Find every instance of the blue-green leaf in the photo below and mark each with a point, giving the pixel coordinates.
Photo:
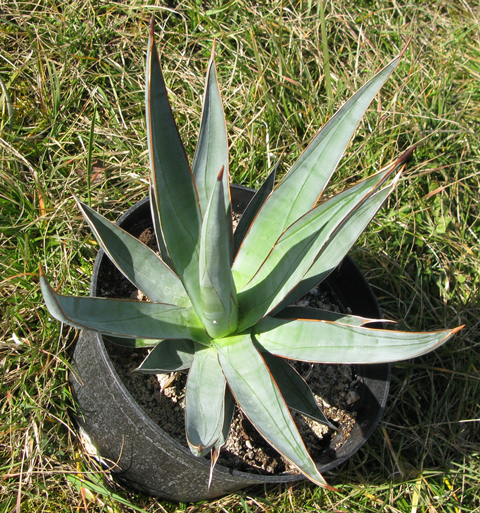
(258, 396)
(204, 401)
(306, 313)
(169, 356)
(294, 389)
(134, 343)
(222, 439)
(137, 262)
(211, 153)
(217, 290)
(328, 342)
(135, 319)
(298, 192)
(298, 248)
(253, 207)
(172, 180)
(229, 410)
(339, 244)
(158, 228)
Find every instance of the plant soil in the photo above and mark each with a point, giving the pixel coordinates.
(162, 397)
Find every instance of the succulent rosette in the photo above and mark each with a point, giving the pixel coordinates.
(219, 298)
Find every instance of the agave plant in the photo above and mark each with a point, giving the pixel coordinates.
(219, 298)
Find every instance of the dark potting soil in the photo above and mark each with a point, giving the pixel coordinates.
(162, 397)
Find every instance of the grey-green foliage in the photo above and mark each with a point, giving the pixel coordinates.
(215, 295)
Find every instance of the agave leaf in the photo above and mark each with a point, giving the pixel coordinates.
(295, 391)
(328, 342)
(229, 409)
(298, 192)
(137, 262)
(135, 319)
(346, 235)
(253, 207)
(211, 153)
(258, 396)
(158, 229)
(217, 290)
(306, 313)
(204, 401)
(133, 343)
(172, 180)
(169, 356)
(339, 244)
(298, 248)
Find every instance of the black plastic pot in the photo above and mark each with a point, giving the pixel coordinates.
(142, 456)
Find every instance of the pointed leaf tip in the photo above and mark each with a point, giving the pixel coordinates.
(220, 175)
(404, 49)
(330, 488)
(212, 53)
(152, 26)
(405, 156)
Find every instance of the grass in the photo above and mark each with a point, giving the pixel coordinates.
(76, 68)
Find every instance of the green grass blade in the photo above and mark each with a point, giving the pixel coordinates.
(89, 156)
(326, 57)
(136, 319)
(211, 153)
(293, 388)
(8, 102)
(204, 401)
(94, 483)
(169, 356)
(327, 342)
(260, 399)
(172, 179)
(217, 289)
(137, 262)
(298, 192)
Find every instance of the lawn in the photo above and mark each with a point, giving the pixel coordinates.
(72, 120)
